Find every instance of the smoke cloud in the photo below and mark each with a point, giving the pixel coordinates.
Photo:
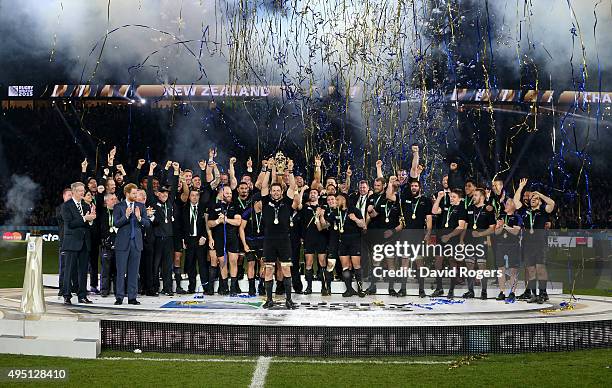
(21, 198)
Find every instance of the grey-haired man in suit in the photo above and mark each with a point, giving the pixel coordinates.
(78, 218)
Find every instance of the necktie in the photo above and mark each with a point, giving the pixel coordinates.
(361, 203)
(80, 208)
(132, 223)
(194, 212)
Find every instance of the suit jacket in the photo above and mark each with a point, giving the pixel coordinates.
(77, 232)
(186, 221)
(122, 240)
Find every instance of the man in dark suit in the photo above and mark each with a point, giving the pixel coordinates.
(163, 220)
(78, 218)
(146, 257)
(108, 232)
(66, 196)
(129, 217)
(194, 240)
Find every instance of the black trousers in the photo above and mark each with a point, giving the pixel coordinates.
(146, 267)
(163, 259)
(196, 255)
(62, 264)
(78, 260)
(108, 274)
(94, 253)
(295, 262)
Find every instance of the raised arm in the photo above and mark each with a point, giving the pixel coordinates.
(379, 172)
(233, 183)
(265, 183)
(262, 173)
(550, 204)
(390, 192)
(435, 209)
(292, 185)
(349, 173)
(249, 170)
(217, 176)
(176, 171)
(184, 188)
(163, 179)
(135, 177)
(518, 203)
(297, 199)
(121, 170)
(150, 195)
(316, 180)
(414, 167)
(84, 165)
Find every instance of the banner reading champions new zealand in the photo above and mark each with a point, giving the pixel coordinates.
(353, 341)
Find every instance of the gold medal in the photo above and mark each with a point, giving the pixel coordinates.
(387, 219)
(335, 227)
(341, 230)
(531, 231)
(505, 235)
(276, 221)
(257, 230)
(474, 226)
(413, 216)
(446, 225)
(291, 224)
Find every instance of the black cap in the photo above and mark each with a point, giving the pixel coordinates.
(164, 189)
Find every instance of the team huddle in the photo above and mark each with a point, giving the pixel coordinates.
(140, 227)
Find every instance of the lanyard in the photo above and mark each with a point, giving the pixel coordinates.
(314, 214)
(258, 222)
(450, 210)
(387, 211)
(110, 218)
(342, 219)
(377, 199)
(165, 208)
(476, 218)
(241, 203)
(465, 202)
(414, 208)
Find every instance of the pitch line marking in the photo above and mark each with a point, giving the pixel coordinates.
(276, 360)
(15, 258)
(260, 373)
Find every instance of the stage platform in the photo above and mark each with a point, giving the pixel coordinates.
(338, 287)
(376, 325)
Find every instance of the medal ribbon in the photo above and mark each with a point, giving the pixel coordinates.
(450, 210)
(342, 219)
(414, 207)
